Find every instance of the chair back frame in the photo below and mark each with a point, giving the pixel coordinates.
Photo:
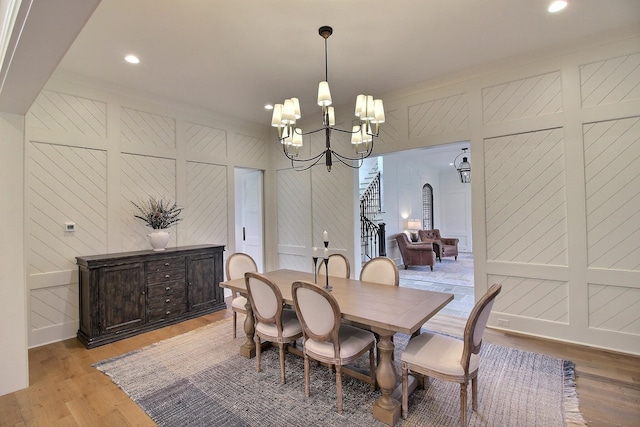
(373, 264)
(239, 263)
(258, 280)
(476, 324)
(336, 258)
(332, 335)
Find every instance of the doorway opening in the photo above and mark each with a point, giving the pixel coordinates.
(249, 213)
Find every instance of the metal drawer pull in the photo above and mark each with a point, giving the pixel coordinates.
(168, 288)
(166, 276)
(167, 300)
(168, 312)
(167, 264)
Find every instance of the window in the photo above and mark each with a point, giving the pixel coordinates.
(427, 207)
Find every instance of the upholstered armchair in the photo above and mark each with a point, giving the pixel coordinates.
(415, 253)
(444, 246)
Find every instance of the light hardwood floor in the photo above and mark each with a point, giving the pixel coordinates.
(65, 390)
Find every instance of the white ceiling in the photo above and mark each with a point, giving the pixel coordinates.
(234, 56)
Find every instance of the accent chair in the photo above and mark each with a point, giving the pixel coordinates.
(444, 246)
(415, 253)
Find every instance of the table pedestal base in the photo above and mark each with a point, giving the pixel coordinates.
(387, 407)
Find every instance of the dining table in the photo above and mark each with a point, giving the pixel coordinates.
(383, 309)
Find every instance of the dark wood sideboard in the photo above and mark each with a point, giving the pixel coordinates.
(125, 294)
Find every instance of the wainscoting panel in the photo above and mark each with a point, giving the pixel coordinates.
(612, 174)
(614, 308)
(610, 81)
(439, 116)
(390, 130)
(142, 177)
(206, 140)
(205, 213)
(293, 219)
(71, 114)
(152, 130)
(533, 298)
(66, 184)
(331, 205)
(53, 305)
(248, 149)
(531, 97)
(525, 198)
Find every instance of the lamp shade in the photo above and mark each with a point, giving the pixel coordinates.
(324, 95)
(414, 224)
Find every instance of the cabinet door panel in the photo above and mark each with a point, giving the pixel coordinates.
(202, 282)
(121, 297)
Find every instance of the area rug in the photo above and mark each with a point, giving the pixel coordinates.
(199, 379)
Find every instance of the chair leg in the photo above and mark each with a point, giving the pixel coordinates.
(258, 353)
(405, 391)
(339, 387)
(306, 375)
(372, 368)
(431, 267)
(235, 318)
(283, 380)
(474, 394)
(463, 404)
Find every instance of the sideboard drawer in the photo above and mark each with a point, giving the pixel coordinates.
(165, 264)
(166, 289)
(165, 276)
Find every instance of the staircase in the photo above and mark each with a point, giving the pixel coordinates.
(372, 230)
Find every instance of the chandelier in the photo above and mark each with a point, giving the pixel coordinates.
(369, 114)
(464, 167)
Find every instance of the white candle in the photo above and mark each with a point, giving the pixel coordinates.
(325, 236)
(326, 253)
(315, 252)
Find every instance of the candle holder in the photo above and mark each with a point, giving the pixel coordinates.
(326, 266)
(315, 270)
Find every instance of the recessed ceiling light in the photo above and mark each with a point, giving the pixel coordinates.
(132, 59)
(557, 6)
(268, 107)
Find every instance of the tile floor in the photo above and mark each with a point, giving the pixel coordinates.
(453, 276)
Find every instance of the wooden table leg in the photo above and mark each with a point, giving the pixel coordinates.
(248, 349)
(387, 408)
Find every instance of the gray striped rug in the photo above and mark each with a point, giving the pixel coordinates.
(198, 379)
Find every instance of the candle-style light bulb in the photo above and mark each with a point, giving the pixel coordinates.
(315, 252)
(326, 253)
(325, 236)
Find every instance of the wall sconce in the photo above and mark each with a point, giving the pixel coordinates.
(413, 225)
(464, 167)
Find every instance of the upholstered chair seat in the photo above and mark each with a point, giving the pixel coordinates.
(273, 323)
(326, 339)
(450, 359)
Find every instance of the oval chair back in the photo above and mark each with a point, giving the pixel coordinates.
(380, 270)
(338, 266)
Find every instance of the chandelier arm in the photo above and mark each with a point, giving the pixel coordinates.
(352, 132)
(294, 159)
(364, 155)
(340, 159)
(304, 168)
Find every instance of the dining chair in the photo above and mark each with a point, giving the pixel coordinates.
(326, 339)
(237, 264)
(380, 270)
(273, 322)
(450, 359)
(338, 266)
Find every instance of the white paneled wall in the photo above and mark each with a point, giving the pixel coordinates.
(555, 154)
(525, 190)
(90, 153)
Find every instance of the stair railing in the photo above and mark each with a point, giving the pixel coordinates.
(372, 235)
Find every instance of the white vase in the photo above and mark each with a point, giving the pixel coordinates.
(159, 239)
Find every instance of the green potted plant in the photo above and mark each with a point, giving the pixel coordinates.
(159, 215)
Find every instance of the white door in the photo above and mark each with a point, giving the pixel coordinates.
(249, 217)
